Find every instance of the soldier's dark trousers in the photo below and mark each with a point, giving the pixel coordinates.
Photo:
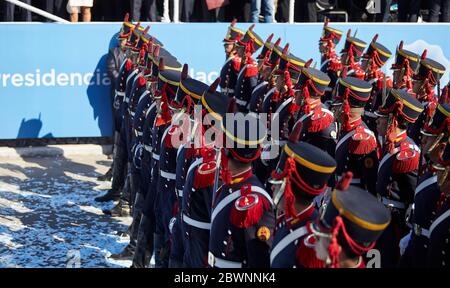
(388, 243)
(176, 245)
(120, 163)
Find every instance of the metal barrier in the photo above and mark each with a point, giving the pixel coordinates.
(38, 11)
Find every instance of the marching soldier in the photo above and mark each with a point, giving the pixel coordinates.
(345, 231)
(351, 55)
(427, 193)
(302, 174)
(267, 62)
(405, 66)
(242, 217)
(375, 57)
(198, 190)
(438, 251)
(188, 94)
(356, 149)
(230, 69)
(330, 63)
(248, 74)
(425, 81)
(319, 127)
(397, 172)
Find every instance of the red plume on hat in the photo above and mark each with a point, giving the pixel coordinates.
(375, 38)
(233, 23)
(345, 181)
(286, 49)
(349, 33)
(326, 21)
(424, 54)
(161, 66)
(146, 30)
(269, 39)
(184, 72)
(126, 18)
(213, 87)
(308, 63)
(400, 46)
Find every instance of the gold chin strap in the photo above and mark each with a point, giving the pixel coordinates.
(444, 176)
(435, 144)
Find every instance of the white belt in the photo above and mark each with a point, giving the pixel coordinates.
(241, 102)
(221, 263)
(120, 93)
(227, 90)
(419, 231)
(138, 133)
(393, 203)
(155, 156)
(353, 181)
(131, 112)
(167, 175)
(195, 223)
(294, 235)
(148, 148)
(126, 100)
(180, 192)
(370, 114)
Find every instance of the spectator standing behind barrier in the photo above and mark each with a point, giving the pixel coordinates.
(437, 6)
(55, 7)
(145, 7)
(9, 12)
(282, 14)
(306, 11)
(74, 7)
(267, 10)
(408, 10)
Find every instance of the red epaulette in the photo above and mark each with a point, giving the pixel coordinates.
(306, 254)
(173, 133)
(407, 159)
(362, 142)
(141, 81)
(128, 65)
(236, 63)
(251, 70)
(248, 209)
(206, 172)
(319, 120)
(335, 64)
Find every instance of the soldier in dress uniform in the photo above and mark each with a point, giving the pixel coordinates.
(281, 109)
(230, 69)
(351, 55)
(345, 231)
(200, 181)
(188, 94)
(397, 172)
(438, 250)
(319, 127)
(267, 62)
(373, 60)
(248, 73)
(166, 197)
(425, 81)
(405, 66)
(302, 174)
(356, 150)
(330, 62)
(127, 71)
(242, 219)
(427, 193)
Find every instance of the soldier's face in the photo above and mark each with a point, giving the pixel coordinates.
(228, 48)
(344, 58)
(122, 44)
(382, 125)
(280, 82)
(240, 50)
(364, 63)
(322, 47)
(397, 77)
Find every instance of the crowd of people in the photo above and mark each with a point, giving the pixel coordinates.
(244, 10)
(277, 163)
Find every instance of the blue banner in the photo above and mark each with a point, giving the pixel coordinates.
(53, 79)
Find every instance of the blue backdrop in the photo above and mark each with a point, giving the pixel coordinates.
(53, 80)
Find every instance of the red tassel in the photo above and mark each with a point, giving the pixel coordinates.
(128, 65)
(362, 143)
(225, 173)
(141, 81)
(345, 181)
(407, 160)
(204, 175)
(334, 249)
(319, 121)
(248, 208)
(306, 255)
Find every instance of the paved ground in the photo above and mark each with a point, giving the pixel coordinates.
(48, 216)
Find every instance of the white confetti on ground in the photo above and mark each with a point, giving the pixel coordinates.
(48, 218)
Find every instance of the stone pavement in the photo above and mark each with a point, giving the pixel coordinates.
(48, 216)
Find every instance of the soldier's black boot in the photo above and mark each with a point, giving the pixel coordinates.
(107, 176)
(144, 245)
(118, 175)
